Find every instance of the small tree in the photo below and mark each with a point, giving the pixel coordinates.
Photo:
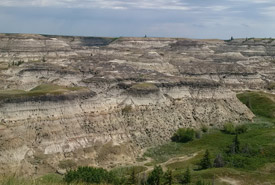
(155, 176)
(235, 146)
(219, 161)
(143, 179)
(168, 177)
(236, 143)
(186, 177)
(205, 163)
(133, 177)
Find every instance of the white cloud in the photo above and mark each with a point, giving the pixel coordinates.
(269, 11)
(254, 1)
(218, 8)
(106, 4)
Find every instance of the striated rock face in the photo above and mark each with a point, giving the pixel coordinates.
(140, 91)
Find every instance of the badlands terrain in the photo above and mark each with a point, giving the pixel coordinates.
(103, 101)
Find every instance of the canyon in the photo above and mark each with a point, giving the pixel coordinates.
(102, 101)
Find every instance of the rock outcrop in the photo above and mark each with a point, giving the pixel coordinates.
(135, 93)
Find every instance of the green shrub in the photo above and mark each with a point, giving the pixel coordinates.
(186, 177)
(91, 175)
(229, 128)
(168, 177)
(133, 177)
(204, 128)
(18, 63)
(183, 135)
(238, 161)
(240, 129)
(156, 176)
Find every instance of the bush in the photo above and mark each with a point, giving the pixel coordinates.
(18, 63)
(90, 175)
(168, 177)
(156, 176)
(183, 135)
(240, 129)
(238, 161)
(186, 177)
(229, 128)
(133, 177)
(204, 128)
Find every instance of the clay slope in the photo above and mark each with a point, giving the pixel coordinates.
(99, 101)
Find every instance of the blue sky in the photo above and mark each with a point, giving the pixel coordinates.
(157, 18)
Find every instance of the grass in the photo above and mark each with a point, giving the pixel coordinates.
(53, 88)
(40, 90)
(127, 170)
(49, 179)
(213, 141)
(260, 103)
(258, 168)
(261, 136)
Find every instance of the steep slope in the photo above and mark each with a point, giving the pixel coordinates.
(118, 96)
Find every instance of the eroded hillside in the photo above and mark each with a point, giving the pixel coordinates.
(99, 101)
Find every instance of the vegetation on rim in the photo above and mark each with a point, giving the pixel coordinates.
(40, 90)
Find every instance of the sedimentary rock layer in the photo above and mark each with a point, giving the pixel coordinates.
(138, 91)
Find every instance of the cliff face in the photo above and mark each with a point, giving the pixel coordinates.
(136, 93)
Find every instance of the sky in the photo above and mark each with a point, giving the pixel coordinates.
(203, 19)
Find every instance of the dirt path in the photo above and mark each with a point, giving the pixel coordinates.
(178, 159)
(229, 180)
(170, 161)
